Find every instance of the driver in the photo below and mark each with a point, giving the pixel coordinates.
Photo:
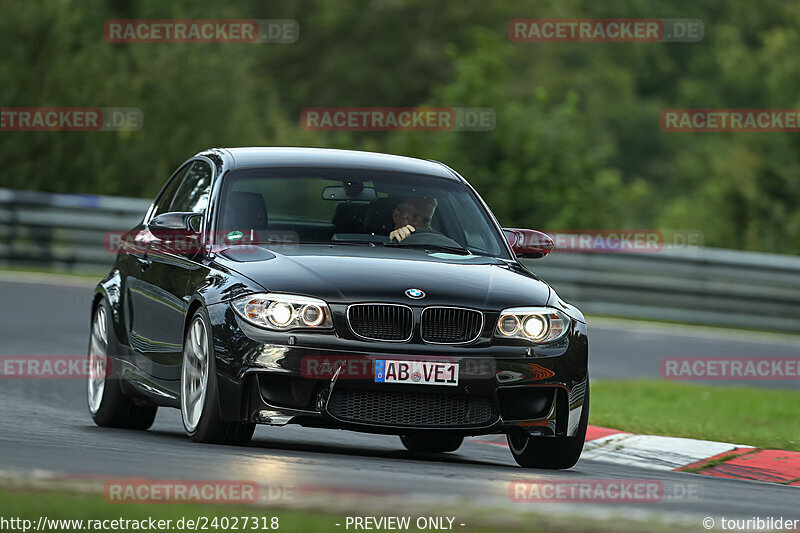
(411, 214)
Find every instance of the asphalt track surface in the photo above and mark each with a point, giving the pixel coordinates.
(44, 425)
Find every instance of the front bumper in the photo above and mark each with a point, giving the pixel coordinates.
(328, 381)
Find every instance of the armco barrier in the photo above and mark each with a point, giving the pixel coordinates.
(700, 285)
(696, 285)
(63, 231)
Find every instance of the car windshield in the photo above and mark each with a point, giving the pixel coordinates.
(337, 206)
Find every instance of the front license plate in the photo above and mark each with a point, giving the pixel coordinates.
(416, 372)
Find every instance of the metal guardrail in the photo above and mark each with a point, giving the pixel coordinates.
(63, 231)
(696, 285)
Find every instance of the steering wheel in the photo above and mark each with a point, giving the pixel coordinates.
(429, 236)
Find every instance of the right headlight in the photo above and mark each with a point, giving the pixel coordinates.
(534, 324)
(283, 312)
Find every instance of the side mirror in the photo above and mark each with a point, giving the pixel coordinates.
(529, 243)
(176, 226)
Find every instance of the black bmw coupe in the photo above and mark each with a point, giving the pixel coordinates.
(337, 289)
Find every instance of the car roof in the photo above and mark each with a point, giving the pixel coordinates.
(260, 157)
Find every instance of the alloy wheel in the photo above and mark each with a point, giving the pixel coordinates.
(194, 374)
(98, 350)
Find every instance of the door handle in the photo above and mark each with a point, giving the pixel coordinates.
(144, 261)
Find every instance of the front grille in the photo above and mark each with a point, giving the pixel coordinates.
(451, 325)
(381, 322)
(410, 409)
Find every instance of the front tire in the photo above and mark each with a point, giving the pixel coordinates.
(551, 453)
(199, 398)
(108, 405)
(432, 443)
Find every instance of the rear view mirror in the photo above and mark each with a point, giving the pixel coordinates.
(529, 243)
(350, 191)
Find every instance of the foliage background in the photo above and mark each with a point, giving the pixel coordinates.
(577, 144)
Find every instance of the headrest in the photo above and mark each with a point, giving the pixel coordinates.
(378, 219)
(245, 211)
(348, 217)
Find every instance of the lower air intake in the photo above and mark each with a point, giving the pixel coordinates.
(410, 410)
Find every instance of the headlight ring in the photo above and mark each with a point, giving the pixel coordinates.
(534, 324)
(284, 312)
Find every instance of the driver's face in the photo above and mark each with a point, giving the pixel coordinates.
(417, 215)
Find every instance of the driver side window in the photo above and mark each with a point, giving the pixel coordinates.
(164, 200)
(188, 191)
(192, 195)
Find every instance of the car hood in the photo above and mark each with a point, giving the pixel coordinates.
(351, 274)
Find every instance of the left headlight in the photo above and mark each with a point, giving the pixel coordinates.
(283, 312)
(535, 324)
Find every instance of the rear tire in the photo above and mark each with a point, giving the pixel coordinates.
(108, 405)
(199, 397)
(551, 453)
(432, 443)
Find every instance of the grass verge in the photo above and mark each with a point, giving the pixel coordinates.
(765, 418)
(47, 272)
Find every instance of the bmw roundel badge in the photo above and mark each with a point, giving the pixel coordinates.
(416, 294)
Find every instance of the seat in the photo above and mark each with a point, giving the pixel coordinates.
(245, 212)
(348, 217)
(378, 218)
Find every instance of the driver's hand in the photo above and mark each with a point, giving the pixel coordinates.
(402, 233)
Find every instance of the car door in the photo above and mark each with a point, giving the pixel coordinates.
(157, 286)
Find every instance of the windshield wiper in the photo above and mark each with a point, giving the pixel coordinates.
(438, 247)
(355, 242)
